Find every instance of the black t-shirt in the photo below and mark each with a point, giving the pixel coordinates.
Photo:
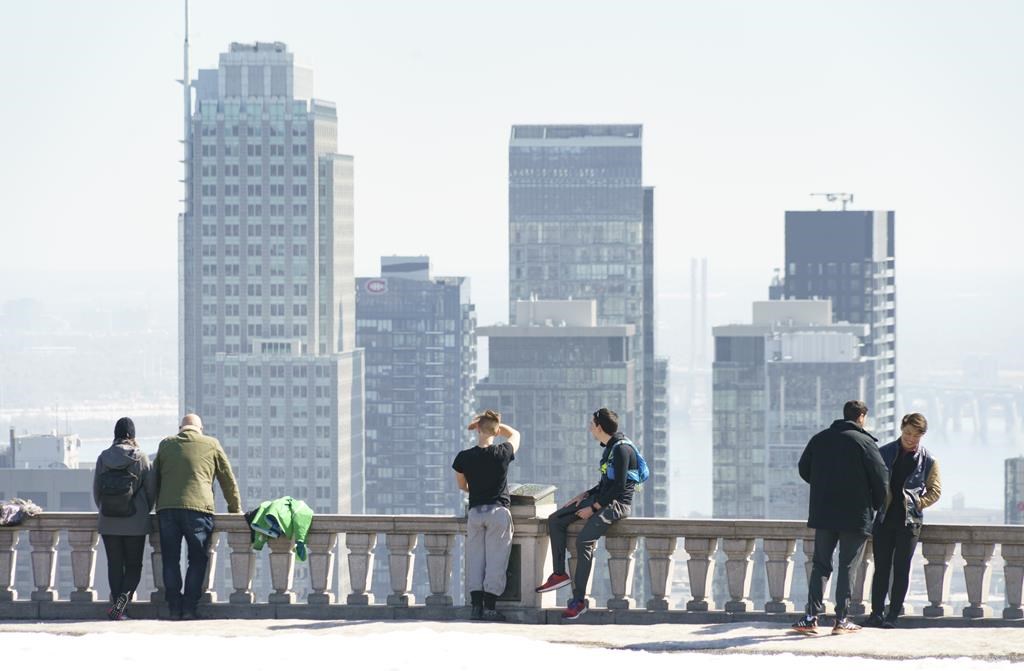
(486, 471)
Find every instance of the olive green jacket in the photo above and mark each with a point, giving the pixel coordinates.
(185, 467)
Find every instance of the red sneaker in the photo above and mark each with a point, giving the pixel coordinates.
(554, 581)
(576, 608)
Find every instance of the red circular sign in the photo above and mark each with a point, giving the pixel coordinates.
(377, 286)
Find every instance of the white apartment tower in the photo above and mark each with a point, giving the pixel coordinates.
(267, 295)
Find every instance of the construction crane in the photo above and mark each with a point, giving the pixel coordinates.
(843, 198)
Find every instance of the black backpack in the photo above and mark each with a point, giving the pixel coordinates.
(117, 492)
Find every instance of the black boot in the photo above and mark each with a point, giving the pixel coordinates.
(491, 613)
(477, 601)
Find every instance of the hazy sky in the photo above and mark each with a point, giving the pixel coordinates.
(747, 108)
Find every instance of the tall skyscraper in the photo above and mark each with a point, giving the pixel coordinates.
(849, 257)
(581, 226)
(776, 382)
(548, 371)
(419, 337)
(267, 296)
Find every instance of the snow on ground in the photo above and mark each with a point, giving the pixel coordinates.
(407, 650)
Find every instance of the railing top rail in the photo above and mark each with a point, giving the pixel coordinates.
(638, 526)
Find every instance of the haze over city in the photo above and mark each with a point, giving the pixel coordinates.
(747, 108)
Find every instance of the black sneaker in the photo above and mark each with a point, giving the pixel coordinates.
(191, 615)
(808, 624)
(494, 616)
(174, 615)
(845, 626)
(476, 612)
(889, 623)
(116, 611)
(873, 620)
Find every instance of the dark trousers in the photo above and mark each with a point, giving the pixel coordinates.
(893, 549)
(124, 563)
(196, 529)
(851, 552)
(586, 541)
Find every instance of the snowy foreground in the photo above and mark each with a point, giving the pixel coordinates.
(408, 647)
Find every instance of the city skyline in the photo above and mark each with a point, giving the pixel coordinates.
(705, 211)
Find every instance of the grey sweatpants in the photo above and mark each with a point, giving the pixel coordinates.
(488, 544)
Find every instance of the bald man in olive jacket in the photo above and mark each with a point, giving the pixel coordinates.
(185, 467)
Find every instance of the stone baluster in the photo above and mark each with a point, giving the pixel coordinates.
(621, 551)
(659, 568)
(320, 549)
(1013, 572)
(83, 562)
(243, 567)
(937, 576)
(360, 566)
(701, 569)
(8, 562)
(209, 593)
(977, 574)
(44, 563)
(778, 569)
(809, 566)
(400, 563)
(156, 559)
(282, 570)
(738, 570)
(439, 568)
(860, 590)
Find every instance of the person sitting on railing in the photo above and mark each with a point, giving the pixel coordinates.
(601, 506)
(185, 467)
(482, 471)
(914, 484)
(848, 482)
(124, 489)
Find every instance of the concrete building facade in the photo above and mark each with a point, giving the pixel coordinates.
(548, 371)
(849, 257)
(776, 382)
(267, 295)
(419, 337)
(1013, 508)
(581, 226)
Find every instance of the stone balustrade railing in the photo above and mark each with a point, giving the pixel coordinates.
(356, 536)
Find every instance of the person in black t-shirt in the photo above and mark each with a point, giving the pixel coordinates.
(482, 471)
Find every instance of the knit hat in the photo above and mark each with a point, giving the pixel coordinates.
(124, 429)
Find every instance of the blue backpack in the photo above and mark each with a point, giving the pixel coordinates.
(639, 475)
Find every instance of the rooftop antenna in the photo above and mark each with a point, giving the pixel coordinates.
(186, 85)
(186, 209)
(832, 197)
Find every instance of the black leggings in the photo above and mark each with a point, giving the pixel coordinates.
(124, 563)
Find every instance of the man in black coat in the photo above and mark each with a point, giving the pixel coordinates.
(848, 483)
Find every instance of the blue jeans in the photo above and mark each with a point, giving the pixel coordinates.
(196, 528)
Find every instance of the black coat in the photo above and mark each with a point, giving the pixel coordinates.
(847, 476)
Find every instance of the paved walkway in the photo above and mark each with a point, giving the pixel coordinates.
(1003, 643)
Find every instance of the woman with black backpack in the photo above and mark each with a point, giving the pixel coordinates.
(124, 488)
